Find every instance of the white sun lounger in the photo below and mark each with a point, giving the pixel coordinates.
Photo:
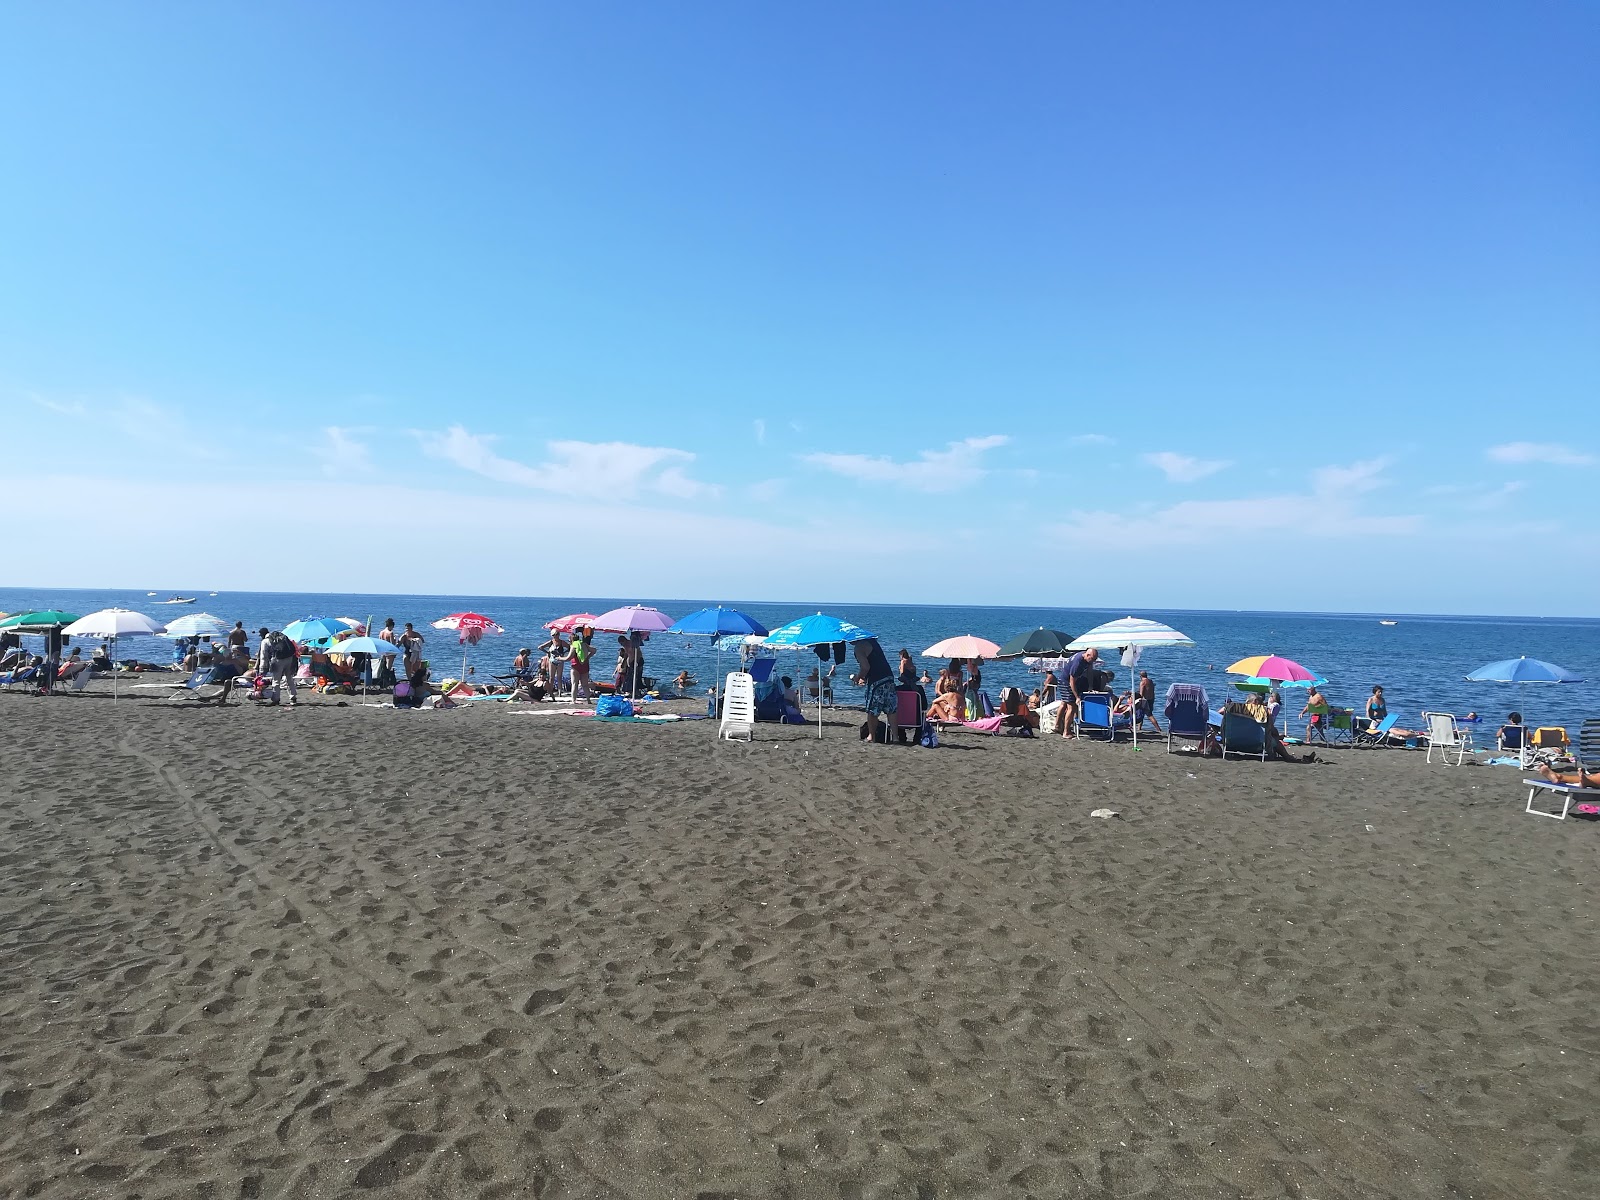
(738, 707)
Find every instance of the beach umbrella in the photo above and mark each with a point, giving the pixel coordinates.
(37, 622)
(314, 630)
(721, 624)
(470, 628)
(195, 625)
(571, 623)
(819, 629)
(964, 646)
(110, 623)
(1131, 635)
(633, 618)
(1523, 670)
(1035, 643)
(363, 645)
(1275, 669)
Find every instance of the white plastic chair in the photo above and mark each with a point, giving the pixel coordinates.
(738, 707)
(1444, 735)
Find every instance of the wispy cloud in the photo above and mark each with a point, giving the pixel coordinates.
(1475, 497)
(1540, 452)
(957, 466)
(341, 454)
(1181, 468)
(1329, 510)
(620, 468)
(1092, 439)
(760, 427)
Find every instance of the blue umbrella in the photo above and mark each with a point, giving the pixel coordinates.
(1523, 670)
(363, 645)
(718, 622)
(819, 629)
(315, 629)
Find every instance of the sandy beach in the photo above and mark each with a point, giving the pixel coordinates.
(485, 953)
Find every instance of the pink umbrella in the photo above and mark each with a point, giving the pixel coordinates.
(571, 623)
(965, 646)
(633, 618)
(470, 628)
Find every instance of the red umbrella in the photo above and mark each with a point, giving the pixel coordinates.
(470, 628)
(571, 623)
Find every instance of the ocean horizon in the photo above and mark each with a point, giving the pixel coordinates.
(1421, 660)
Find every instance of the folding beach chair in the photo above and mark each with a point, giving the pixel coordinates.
(1588, 761)
(908, 713)
(738, 707)
(189, 688)
(1187, 710)
(1377, 735)
(1338, 727)
(1445, 736)
(1244, 737)
(1094, 715)
(1514, 738)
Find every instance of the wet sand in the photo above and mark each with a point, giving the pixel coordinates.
(332, 951)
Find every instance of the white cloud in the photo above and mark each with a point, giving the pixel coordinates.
(959, 465)
(341, 454)
(1180, 468)
(761, 431)
(1328, 511)
(1540, 452)
(1092, 439)
(617, 468)
(766, 490)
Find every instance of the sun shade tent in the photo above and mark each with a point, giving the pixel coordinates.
(819, 629)
(1135, 634)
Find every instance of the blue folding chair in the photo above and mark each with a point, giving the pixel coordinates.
(1244, 737)
(1094, 716)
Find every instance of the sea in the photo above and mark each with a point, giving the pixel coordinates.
(1421, 659)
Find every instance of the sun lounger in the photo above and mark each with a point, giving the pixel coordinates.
(1588, 761)
(189, 688)
(1377, 735)
(738, 707)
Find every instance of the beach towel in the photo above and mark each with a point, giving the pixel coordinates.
(985, 724)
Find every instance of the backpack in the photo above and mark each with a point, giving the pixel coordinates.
(930, 737)
(279, 646)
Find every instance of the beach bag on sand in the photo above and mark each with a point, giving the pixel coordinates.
(930, 737)
(986, 704)
(402, 694)
(613, 706)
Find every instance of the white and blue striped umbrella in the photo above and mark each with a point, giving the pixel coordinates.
(195, 625)
(1130, 631)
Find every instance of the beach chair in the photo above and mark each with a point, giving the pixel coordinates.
(1588, 761)
(1244, 737)
(1094, 715)
(1514, 738)
(21, 677)
(75, 682)
(1377, 735)
(1549, 741)
(1445, 736)
(738, 707)
(1187, 710)
(908, 713)
(187, 689)
(1339, 727)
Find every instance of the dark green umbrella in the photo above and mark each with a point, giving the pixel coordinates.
(38, 622)
(1036, 643)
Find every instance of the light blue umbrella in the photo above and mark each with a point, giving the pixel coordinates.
(719, 623)
(362, 645)
(1523, 670)
(315, 629)
(819, 629)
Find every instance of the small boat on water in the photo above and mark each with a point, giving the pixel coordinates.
(149, 593)
(176, 600)
(1387, 622)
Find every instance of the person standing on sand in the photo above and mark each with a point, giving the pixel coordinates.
(237, 636)
(1080, 679)
(582, 650)
(877, 677)
(1145, 704)
(279, 661)
(411, 643)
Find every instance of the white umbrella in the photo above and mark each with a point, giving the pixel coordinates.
(1133, 634)
(196, 625)
(112, 623)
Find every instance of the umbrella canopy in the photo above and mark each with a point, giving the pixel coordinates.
(1523, 670)
(113, 622)
(314, 629)
(571, 623)
(964, 646)
(1036, 643)
(195, 625)
(633, 618)
(817, 630)
(718, 622)
(469, 626)
(38, 622)
(362, 645)
(1272, 668)
(1256, 684)
(1129, 631)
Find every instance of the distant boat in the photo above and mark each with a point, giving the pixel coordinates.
(149, 593)
(176, 600)
(1386, 622)
(213, 593)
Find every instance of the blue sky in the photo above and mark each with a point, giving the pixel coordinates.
(1215, 305)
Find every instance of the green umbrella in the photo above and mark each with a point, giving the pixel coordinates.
(38, 622)
(1036, 643)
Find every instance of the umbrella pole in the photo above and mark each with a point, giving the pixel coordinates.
(113, 668)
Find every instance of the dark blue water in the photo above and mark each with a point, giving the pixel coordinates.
(1420, 661)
